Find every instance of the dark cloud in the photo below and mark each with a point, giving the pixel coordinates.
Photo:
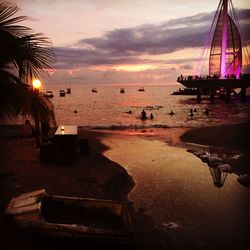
(186, 66)
(124, 46)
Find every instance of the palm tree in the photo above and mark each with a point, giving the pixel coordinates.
(24, 56)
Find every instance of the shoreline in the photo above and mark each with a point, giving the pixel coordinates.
(94, 175)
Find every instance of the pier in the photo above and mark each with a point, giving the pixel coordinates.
(225, 60)
(214, 83)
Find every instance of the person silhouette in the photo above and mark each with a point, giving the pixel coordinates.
(27, 129)
(206, 111)
(171, 112)
(151, 116)
(143, 115)
(191, 113)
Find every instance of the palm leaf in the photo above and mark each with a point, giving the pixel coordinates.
(24, 55)
(7, 10)
(20, 99)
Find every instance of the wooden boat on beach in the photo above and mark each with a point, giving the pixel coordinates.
(70, 217)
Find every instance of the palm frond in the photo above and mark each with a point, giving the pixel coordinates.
(34, 55)
(20, 99)
(23, 55)
(7, 10)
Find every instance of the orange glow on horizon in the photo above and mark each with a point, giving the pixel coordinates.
(126, 67)
(135, 68)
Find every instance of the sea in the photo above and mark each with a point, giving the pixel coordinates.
(109, 109)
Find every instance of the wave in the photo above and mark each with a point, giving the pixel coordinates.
(131, 126)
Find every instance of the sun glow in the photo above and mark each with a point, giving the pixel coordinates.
(125, 68)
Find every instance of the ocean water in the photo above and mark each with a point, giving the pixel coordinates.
(108, 108)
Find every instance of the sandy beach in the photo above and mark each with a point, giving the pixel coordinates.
(95, 176)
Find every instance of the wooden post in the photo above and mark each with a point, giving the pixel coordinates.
(198, 95)
(212, 95)
(228, 91)
(243, 93)
(37, 129)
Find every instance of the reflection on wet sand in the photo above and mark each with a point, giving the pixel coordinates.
(174, 187)
(218, 176)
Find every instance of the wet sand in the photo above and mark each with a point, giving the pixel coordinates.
(175, 188)
(94, 176)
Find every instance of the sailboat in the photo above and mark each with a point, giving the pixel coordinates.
(225, 59)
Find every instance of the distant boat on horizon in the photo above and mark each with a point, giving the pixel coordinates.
(62, 92)
(122, 90)
(94, 90)
(48, 94)
(68, 91)
(141, 89)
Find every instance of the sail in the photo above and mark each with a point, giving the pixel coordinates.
(233, 51)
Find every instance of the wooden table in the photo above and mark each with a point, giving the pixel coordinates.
(66, 144)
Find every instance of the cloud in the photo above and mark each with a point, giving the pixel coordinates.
(186, 66)
(128, 45)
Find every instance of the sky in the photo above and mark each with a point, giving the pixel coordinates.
(125, 41)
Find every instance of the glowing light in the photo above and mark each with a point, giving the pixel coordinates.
(36, 84)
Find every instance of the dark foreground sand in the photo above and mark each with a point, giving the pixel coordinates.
(93, 176)
(21, 171)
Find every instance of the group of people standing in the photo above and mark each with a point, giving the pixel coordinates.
(144, 115)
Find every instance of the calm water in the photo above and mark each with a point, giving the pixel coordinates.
(108, 108)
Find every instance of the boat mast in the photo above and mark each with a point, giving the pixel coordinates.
(223, 40)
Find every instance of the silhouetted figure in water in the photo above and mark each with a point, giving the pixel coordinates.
(75, 111)
(171, 112)
(130, 112)
(206, 111)
(191, 113)
(151, 116)
(195, 110)
(143, 115)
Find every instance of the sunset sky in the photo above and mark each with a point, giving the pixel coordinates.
(125, 41)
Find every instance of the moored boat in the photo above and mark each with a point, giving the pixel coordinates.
(62, 92)
(48, 94)
(122, 90)
(94, 90)
(141, 89)
(68, 91)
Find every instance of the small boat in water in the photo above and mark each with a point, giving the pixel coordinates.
(94, 90)
(141, 89)
(68, 91)
(70, 217)
(62, 92)
(48, 94)
(122, 90)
